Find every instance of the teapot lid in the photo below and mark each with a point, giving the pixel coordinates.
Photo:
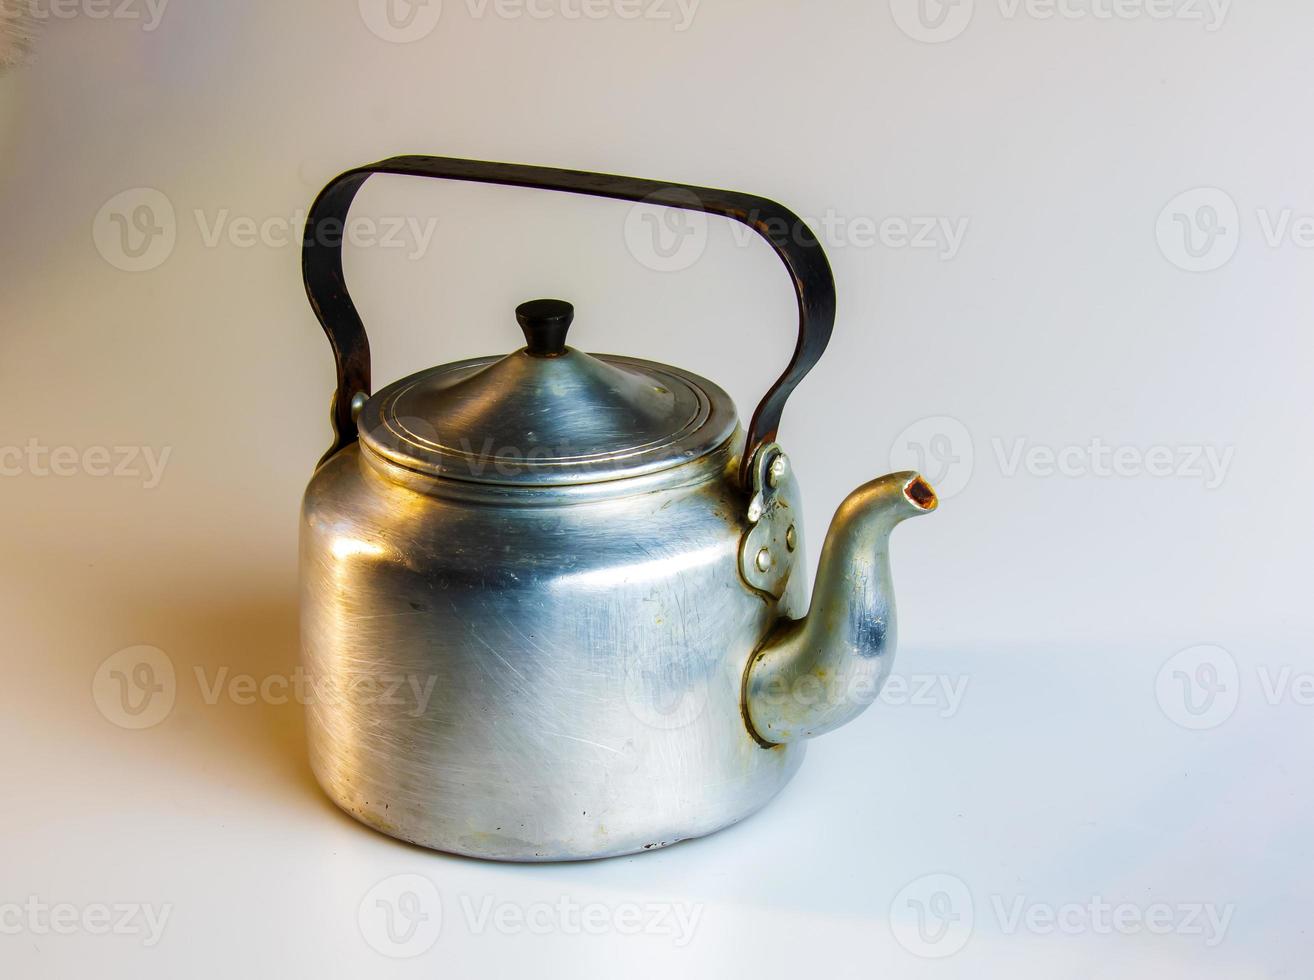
(547, 414)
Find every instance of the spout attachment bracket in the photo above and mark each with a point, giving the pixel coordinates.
(768, 550)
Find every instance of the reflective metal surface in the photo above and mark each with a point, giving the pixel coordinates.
(824, 670)
(568, 418)
(536, 675)
(768, 554)
(559, 673)
(550, 601)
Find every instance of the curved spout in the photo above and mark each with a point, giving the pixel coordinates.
(816, 673)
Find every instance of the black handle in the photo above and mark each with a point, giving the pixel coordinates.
(792, 240)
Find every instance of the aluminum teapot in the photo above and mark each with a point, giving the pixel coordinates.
(553, 604)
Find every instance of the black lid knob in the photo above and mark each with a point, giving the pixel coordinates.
(545, 322)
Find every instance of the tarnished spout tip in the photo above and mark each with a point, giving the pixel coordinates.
(816, 673)
(921, 493)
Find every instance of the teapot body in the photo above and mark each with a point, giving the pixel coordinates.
(551, 602)
(528, 675)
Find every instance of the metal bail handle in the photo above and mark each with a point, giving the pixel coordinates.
(792, 240)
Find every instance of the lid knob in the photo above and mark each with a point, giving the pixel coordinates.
(545, 322)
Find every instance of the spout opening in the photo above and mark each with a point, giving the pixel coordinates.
(920, 494)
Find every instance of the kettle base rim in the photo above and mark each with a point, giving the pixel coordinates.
(545, 853)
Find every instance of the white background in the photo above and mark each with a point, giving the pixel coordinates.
(1065, 754)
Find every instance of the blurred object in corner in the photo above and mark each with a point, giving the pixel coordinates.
(17, 29)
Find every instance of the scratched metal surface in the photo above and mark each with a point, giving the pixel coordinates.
(538, 681)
